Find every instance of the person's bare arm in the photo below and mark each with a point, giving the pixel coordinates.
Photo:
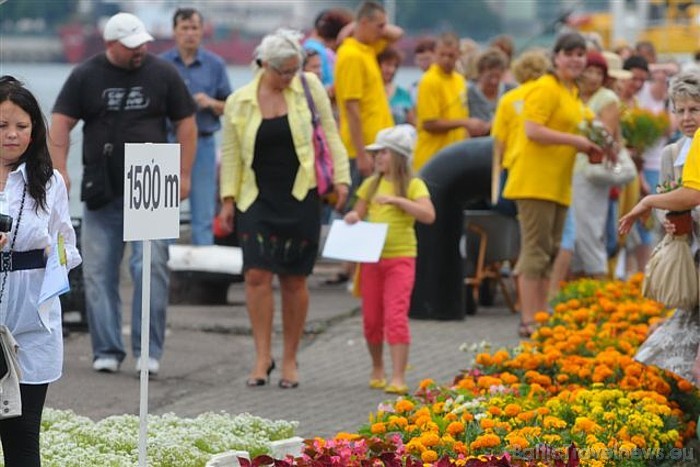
(186, 135)
(359, 211)
(206, 102)
(392, 33)
(680, 199)
(362, 159)
(59, 143)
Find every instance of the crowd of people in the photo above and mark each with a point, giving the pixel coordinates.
(566, 188)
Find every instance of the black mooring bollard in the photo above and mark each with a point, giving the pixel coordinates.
(457, 174)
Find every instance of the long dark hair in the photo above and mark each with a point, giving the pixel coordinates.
(36, 157)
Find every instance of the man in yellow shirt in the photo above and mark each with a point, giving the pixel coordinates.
(441, 107)
(359, 89)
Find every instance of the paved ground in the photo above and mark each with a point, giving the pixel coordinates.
(209, 351)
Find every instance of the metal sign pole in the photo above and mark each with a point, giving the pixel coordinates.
(145, 339)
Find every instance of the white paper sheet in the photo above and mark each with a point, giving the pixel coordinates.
(361, 242)
(55, 283)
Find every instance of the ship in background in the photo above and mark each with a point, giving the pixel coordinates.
(231, 29)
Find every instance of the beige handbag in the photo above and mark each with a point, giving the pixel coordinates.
(10, 373)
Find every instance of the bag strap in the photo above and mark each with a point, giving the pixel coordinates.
(6, 256)
(109, 145)
(315, 119)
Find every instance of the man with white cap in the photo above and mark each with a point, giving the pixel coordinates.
(124, 95)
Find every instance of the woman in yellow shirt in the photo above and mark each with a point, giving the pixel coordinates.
(268, 180)
(540, 176)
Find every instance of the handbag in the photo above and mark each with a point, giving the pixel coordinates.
(323, 160)
(670, 276)
(96, 188)
(10, 372)
(611, 174)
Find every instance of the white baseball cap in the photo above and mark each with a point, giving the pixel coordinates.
(399, 138)
(127, 29)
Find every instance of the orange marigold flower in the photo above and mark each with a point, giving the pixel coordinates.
(527, 416)
(484, 359)
(512, 410)
(493, 410)
(508, 378)
(429, 455)
(403, 405)
(346, 436)
(487, 423)
(378, 428)
(517, 442)
(486, 441)
(542, 316)
(424, 384)
(455, 428)
(685, 385)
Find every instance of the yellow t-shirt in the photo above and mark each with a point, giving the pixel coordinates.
(358, 77)
(400, 237)
(440, 96)
(544, 171)
(691, 169)
(507, 124)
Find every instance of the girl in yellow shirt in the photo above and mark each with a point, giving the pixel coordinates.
(392, 196)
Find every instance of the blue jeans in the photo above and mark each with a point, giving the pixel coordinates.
(203, 191)
(102, 251)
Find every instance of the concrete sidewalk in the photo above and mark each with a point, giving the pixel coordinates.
(209, 351)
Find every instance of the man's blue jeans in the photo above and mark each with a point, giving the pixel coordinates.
(203, 191)
(102, 251)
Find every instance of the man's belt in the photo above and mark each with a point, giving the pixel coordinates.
(19, 260)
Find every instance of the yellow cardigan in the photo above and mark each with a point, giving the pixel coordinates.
(241, 121)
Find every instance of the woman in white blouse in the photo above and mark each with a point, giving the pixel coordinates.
(35, 197)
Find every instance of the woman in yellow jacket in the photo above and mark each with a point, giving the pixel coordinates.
(268, 185)
(539, 179)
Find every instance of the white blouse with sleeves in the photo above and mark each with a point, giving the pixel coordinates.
(40, 347)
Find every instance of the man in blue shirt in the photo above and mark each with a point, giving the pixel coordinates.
(205, 75)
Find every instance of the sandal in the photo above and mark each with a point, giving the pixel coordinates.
(339, 279)
(526, 329)
(399, 389)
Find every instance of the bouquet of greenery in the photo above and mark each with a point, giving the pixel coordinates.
(641, 128)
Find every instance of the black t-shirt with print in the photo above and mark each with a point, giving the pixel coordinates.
(94, 92)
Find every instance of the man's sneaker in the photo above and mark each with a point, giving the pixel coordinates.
(153, 366)
(106, 364)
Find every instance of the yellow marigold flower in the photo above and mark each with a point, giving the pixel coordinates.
(403, 405)
(455, 428)
(512, 410)
(429, 456)
(551, 421)
(585, 425)
(638, 441)
(415, 446)
(401, 422)
(438, 407)
(505, 426)
(378, 428)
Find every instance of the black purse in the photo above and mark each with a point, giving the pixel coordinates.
(96, 188)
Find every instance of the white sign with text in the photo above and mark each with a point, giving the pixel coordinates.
(151, 191)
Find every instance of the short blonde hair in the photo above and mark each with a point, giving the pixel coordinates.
(530, 65)
(279, 46)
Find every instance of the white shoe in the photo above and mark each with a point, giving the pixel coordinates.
(106, 364)
(153, 366)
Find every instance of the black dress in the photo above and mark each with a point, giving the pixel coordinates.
(277, 232)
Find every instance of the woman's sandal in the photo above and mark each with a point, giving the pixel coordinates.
(526, 329)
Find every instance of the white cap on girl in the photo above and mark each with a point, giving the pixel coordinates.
(399, 138)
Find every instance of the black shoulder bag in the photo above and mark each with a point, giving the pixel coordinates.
(96, 187)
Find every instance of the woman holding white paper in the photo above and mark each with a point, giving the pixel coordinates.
(392, 196)
(35, 197)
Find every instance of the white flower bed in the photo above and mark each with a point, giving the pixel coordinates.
(69, 440)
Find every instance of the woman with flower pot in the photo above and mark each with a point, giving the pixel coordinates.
(540, 177)
(674, 345)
